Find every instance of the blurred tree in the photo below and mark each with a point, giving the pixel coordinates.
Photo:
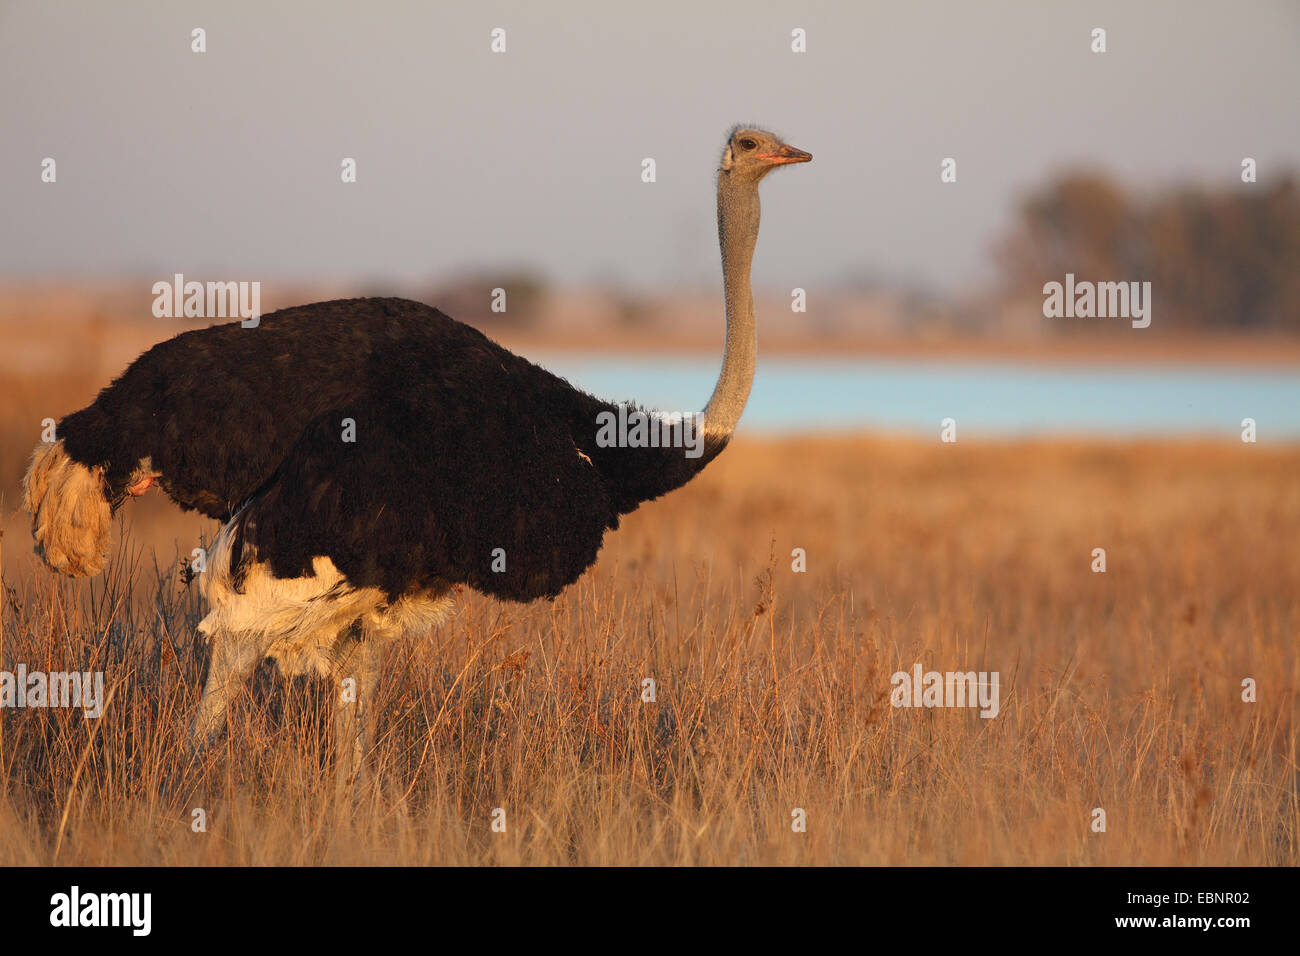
(471, 298)
(1216, 259)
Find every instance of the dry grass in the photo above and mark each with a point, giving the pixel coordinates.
(1119, 690)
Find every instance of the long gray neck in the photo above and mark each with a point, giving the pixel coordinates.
(738, 215)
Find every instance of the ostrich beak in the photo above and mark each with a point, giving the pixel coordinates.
(786, 154)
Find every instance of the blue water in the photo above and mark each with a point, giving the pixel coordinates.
(985, 398)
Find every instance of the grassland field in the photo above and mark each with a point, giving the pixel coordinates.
(1120, 691)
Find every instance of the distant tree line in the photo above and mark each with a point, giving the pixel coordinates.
(1226, 258)
(502, 298)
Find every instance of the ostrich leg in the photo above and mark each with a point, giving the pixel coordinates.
(356, 673)
(231, 664)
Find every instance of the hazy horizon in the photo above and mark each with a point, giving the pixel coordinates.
(226, 163)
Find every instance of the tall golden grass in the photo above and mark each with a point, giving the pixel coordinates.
(1120, 691)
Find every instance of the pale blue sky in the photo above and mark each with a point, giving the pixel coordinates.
(227, 163)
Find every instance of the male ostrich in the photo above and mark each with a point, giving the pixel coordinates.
(333, 548)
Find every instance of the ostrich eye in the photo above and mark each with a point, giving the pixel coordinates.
(748, 144)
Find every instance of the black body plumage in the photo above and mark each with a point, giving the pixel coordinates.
(461, 447)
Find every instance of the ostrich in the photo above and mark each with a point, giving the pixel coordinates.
(468, 466)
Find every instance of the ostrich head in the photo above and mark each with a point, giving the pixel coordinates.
(751, 153)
